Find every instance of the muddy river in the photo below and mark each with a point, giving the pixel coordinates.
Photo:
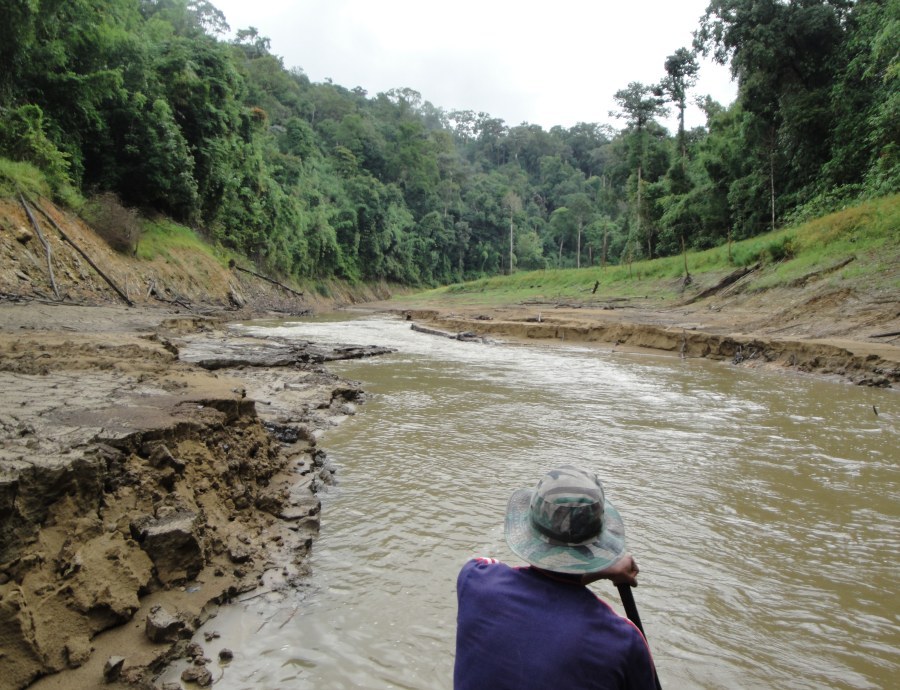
(762, 506)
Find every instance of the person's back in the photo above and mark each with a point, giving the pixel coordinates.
(540, 627)
(525, 629)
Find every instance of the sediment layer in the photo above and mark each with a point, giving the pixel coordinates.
(854, 361)
(131, 479)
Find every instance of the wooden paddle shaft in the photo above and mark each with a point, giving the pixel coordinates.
(633, 615)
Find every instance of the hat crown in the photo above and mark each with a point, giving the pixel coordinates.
(567, 506)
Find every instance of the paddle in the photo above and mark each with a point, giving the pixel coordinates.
(633, 615)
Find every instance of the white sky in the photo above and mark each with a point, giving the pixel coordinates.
(547, 63)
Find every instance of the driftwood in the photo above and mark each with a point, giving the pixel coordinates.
(215, 355)
(155, 294)
(232, 264)
(37, 229)
(731, 278)
(466, 336)
(109, 281)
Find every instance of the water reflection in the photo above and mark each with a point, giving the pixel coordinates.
(762, 507)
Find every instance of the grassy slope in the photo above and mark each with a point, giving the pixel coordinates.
(868, 232)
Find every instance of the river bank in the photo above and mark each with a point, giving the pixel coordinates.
(148, 459)
(847, 334)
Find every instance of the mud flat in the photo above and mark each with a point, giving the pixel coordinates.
(152, 466)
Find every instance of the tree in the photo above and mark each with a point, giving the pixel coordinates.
(562, 225)
(639, 105)
(582, 213)
(681, 76)
(513, 204)
(784, 56)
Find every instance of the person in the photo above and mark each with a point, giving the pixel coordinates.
(540, 627)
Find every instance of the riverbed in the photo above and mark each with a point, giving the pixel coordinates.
(762, 507)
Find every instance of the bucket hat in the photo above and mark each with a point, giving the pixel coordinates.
(565, 524)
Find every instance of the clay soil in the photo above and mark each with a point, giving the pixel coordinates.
(133, 477)
(149, 457)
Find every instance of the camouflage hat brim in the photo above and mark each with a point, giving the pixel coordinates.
(544, 552)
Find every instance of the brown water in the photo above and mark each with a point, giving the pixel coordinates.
(763, 508)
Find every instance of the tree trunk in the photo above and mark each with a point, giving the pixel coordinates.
(510, 244)
(578, 247)
(638, 233)
(109, 281)
(47, 251)
(772, 182)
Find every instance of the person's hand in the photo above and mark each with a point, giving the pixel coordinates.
(622, 572)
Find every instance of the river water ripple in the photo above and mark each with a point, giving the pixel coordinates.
(762, 507)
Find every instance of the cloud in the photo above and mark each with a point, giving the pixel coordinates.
(546, 63)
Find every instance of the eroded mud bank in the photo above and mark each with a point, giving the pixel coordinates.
(860, 363)
(138, 488)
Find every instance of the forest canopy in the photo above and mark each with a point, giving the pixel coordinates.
(146, 99)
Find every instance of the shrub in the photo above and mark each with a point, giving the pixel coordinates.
(781, 249)
(23, 138)
(119, 226)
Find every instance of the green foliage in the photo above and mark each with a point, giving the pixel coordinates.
(162, 238)
(313, 181)
(17, 177)
(766, 252)
(864, 232)
(23, 137)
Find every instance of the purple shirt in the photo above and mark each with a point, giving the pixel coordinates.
(520, 629)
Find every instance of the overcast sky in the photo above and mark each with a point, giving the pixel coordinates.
(546, 63)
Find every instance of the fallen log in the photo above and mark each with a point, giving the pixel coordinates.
(731, 278)
(109, 281)
(802, 280)
(432, 331)
(233, 264)
(465, 336)
(37, 229)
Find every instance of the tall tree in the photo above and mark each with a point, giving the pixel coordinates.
(513, 204)
(639, 104)
(784, 57)
(681, 76)
(582, 213)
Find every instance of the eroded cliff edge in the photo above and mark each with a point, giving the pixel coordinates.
(147, 460)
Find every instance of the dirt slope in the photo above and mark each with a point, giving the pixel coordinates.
(183, 280)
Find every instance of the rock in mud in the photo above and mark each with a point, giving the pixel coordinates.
(162, 626)
(113, 668)
(78, 650)
(174, 545)
(197, 674)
